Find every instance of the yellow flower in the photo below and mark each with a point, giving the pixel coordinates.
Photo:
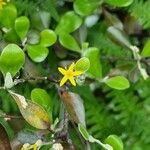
(2, 3)
(69, 74)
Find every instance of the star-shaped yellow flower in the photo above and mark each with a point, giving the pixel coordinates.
(2, 3)
(69, 74)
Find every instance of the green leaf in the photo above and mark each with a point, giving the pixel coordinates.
(33, 113)
(37, 53)
(118, 82)
(83, 64)
(83, 131)
(146, 49)
(8, 15)
(91, 139)
(93, 55)
(11, 36)
(74, 106)
(69, 42)
(69, 22)
(12, 59)
(8, 83)
(105, 146)
(120, 3)
(85, 7)
(40, 20)
(115, 142)
(118, 36)
(41, 97)
(48, 38)
(22, 26)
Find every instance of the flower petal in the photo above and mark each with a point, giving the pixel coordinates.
(77, 73)
(63, 80)
(71, 67)
(72, 81)
(62, 70)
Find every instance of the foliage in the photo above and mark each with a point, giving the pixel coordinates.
(105, 46)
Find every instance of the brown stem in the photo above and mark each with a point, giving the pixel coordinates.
(10, 116)
(50, 79)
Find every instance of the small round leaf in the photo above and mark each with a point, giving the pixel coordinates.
(11, 36)
(93, 55)
(37, 53)
(69, 23)
(82, 64)
(69, 42)
(48, 38)
(85, 7)
(12, 59)
(118, 82)
(22, 26)
(8, 15)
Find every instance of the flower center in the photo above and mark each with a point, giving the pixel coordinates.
(69, 73)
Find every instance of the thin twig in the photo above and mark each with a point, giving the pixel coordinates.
(10, 116)
(50, 79)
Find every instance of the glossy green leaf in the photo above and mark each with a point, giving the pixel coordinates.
(11, 36)
(115, 142)
(120, 3)
(48, 38)
(118, 82)
(8, 15)
(8, 83)
(85, 7)
(146, 49)
(93, 55)
(33, 113)
(37, 53)
(83, 131)
(74, 106)
(83, 64)
(12, 59)
(22, 26)
(41, 97)
(69, 42)
(69, 22)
